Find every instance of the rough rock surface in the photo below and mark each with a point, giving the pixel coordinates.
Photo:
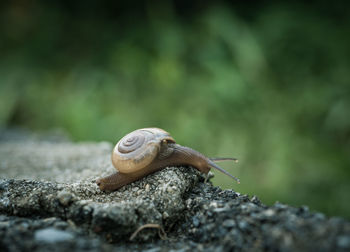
(49, 201)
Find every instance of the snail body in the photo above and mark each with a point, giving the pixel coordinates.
(145, 151)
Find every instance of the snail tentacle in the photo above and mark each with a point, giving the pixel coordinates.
(219, 159)
(213, 165)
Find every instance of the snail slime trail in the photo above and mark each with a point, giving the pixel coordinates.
(145, 151)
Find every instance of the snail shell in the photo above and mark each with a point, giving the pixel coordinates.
(148, 150)
(138, 149)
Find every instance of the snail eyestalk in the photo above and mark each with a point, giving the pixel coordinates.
(213, 165)
(219, 159)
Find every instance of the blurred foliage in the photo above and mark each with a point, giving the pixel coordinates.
(268, 83)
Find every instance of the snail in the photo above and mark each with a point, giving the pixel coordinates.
(145, 151)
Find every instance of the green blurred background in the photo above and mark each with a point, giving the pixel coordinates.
(266, 82)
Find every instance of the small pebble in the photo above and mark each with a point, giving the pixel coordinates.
(195, 221)
(229, 223)
(52, 235)
(65, 197)
(344, 241)
(269, 212)
(165, 215)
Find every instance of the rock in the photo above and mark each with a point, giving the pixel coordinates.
(60, 185)
(52, 235)
(343, 242)
(65, 197)
(48, 201)
(229, 223)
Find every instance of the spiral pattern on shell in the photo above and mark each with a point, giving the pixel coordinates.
(131, 142)
(138, 149)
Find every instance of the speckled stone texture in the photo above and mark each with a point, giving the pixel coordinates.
(49, 201)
